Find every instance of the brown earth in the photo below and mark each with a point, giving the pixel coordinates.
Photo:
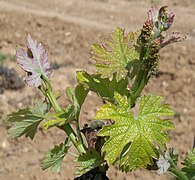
(68, 28)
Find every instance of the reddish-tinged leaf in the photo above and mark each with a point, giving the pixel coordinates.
(161, 18)
(34, 61)
(172, 38)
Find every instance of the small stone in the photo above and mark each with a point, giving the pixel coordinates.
(185, 110)
(4, 144)
(67, 33)
(165, 84)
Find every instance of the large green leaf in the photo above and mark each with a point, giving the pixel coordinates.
(26, 121)
(117, 55)
(104, 87)
(133, 138)
(54, 157)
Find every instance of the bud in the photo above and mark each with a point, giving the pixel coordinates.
(161, 18)
(165, 18)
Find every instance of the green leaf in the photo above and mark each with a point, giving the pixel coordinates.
(132, 138)
(189, 165)
(59, 119)
(77, 95)
(116, 55)
(40, 108)
(104, 87)
(89, 161)
(53, 158)
(26, 121)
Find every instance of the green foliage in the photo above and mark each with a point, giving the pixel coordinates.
(117, 55)
(59, 119)
(77, 96)
(2, 58)
(133, 139)
(189, 164)
(104, 87)
(54, 157)
(124, 64)
(89, 161)
(26, 121)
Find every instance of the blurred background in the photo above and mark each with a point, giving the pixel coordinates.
(67, 28)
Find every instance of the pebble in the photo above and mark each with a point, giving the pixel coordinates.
(185, 110)
(67, 33)
(165, 84)
(5, 144)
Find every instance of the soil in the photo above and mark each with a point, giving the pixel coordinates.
(67, 29)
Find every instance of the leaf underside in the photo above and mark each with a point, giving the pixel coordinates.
(116, 55)
(132, 140)
(163, 163)
(34, 61)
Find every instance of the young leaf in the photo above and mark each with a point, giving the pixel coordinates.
(104, 87)
(189, 164)
(89, 161)
(26, 121)
(54, 157)
(161, 18)
(115, 55)
(34, 61)
(137, 135)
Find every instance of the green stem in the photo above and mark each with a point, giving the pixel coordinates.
(140, 80)
(140, 87)
(71, 134)
(79, 132)
(53, 101)
(67, 128)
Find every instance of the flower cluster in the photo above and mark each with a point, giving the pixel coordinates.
(154, 36)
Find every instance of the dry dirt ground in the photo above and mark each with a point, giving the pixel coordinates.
(68, 28)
